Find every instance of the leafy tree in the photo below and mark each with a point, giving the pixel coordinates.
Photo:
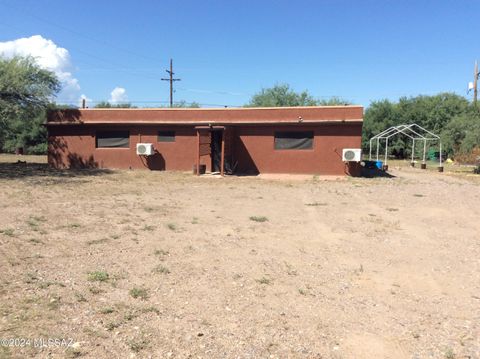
(184, 104)
(31, 134)
(105, 104)
(434, 113)
(431, 112)
(25, 92)
(379, 116)
(281, 95)
(333, 101)
(462, 134)
(179, 104)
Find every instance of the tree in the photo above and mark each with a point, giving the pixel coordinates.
(281, 95)
(333, 101)
(434, 113)
(30, 135)
(105, 104)
(179, 104)
(379, 116)
(184, 104)
(462, 134)
(25, 92)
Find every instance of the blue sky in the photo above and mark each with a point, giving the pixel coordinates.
(225, 51)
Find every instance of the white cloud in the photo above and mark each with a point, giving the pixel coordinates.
(48, 56)
(119, 94)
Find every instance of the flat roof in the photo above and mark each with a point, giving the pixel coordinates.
(212, 108)
(179, 116)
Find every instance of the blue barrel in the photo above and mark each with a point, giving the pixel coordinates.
(379, 164)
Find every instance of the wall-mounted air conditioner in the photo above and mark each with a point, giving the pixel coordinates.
(144, 149)
(352, 155)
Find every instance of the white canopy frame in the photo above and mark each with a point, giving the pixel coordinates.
(414, 132)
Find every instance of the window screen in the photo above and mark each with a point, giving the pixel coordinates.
(290, 140)
(116, 139)
(166, 136)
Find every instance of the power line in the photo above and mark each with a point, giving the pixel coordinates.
(98, 58)
(69, 101)
(76, 33)
(172, 80)
(214, 92)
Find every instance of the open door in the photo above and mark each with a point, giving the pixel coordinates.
(216, 146)
(211, 141)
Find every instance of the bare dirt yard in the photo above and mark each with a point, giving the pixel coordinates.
(167, 265)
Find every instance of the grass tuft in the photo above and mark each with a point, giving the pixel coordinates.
(107, 310)
(97, 241)
(98, 276)
(139, 293)
(151, 310)
(259, 219)
(54, 303)
(95, 290)
(161, 252)
(130, 315)
(449, 354)
(264, 280)
(8, 232)
(113, 325)
(172, 226)
(137, 345)
(80, 297)
(161, 269)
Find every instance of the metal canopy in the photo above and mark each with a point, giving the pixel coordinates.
(414, 132)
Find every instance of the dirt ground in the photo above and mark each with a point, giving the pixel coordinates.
(134, 264)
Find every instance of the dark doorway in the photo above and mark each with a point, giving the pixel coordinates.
(216, 147)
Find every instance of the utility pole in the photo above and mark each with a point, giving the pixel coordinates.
(171, 79)
(475, 80)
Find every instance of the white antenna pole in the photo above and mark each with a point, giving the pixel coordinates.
(440, 154)
(386, 151)
(424, 150)
(413, 150)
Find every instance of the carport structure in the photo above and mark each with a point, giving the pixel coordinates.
(415, 132)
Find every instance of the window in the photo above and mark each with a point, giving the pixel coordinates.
(289, 140)
(166, 136)
(113, 139)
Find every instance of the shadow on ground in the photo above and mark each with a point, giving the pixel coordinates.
(374, 173)
(21, 170)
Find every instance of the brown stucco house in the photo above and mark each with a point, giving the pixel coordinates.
(305, 140)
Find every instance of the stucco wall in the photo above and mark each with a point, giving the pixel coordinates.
(252, 148)
(74, 146)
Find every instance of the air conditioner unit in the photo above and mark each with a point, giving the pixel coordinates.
(352, 155)
(144, 149)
